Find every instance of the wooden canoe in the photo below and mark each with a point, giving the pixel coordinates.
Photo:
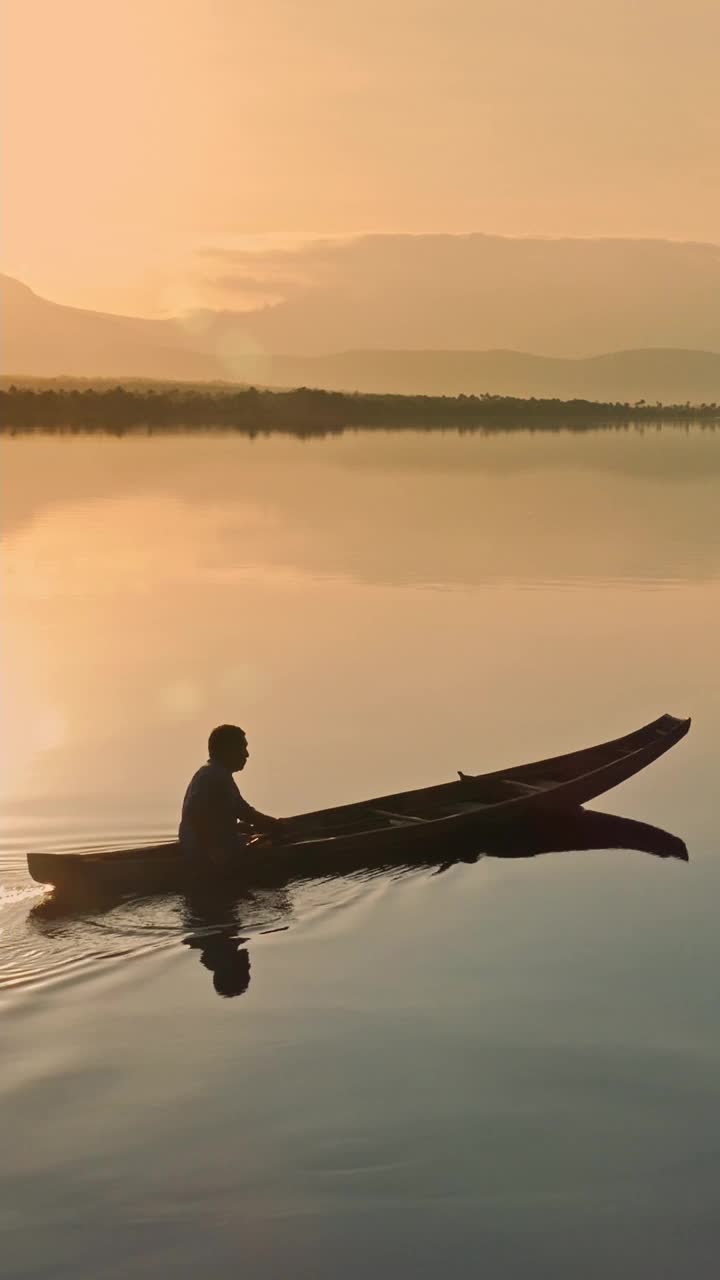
(578, 831)
(386, 830)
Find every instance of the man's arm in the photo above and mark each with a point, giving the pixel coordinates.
(260, 821)
(263, 821)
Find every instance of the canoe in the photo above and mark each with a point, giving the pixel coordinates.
(384, 830)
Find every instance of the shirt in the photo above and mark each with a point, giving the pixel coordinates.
(210, 810)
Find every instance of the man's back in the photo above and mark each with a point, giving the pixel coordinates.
(211, 808)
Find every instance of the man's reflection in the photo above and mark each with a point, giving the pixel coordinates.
(226, 958)
(212, 917)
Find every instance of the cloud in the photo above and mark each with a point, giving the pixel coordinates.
(474, 291)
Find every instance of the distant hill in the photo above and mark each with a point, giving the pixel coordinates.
(45, 339)
(670, 376)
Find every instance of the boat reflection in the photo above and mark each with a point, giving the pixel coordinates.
(218, 921)
(582, 830)
(221, 946)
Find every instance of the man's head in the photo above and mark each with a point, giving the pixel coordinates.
(227, 745)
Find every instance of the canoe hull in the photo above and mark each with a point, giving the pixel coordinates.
(452, 816)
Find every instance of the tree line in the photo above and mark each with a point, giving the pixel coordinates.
(305, 411)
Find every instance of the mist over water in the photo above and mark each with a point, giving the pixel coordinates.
(509, 1066)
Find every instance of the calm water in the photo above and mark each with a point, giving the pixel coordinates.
(509, 1069)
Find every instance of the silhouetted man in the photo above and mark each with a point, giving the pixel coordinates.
(213, 807)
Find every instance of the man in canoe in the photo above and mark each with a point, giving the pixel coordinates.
(216, 821)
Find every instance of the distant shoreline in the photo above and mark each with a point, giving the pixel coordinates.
(308, 412)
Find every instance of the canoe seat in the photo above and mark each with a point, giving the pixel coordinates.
(397, 817)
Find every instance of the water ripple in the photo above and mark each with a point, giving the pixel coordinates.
(40, 942)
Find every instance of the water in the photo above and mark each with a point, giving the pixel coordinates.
(511, 1067)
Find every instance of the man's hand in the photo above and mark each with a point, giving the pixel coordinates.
(269, 826)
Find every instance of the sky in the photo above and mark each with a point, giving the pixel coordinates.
(138, 135)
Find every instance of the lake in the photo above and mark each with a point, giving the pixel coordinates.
(511, 1068)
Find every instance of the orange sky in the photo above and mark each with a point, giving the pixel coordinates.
(137, 133)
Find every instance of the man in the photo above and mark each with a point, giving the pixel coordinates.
(213, 806)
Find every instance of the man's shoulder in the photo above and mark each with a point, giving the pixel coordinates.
(208, 768)
(204, 776)
(212, 774)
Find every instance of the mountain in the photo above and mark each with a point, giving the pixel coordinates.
(671, 376)
(41, 338)
(45, 339)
